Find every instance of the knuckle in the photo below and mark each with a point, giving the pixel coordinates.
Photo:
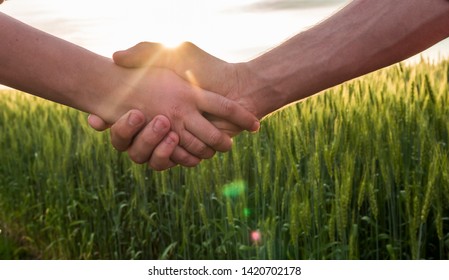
(187, 160)
(228, 107)
(204, 152)
(137, 157)
(157, 166)
(119, 143)
(216, 138)
(188, 141)
(147, 139)
(176, 112)
(190, 162)
(148, 45)
(142, 44)
(187, 46)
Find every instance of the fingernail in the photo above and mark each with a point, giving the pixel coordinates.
(158, 125)
(134, 119)
(255, 127)
(169, 140)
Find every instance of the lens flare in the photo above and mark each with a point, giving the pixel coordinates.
(234, 189)
(246, 212)
(191, 78)
(256, 237)
(171, 42)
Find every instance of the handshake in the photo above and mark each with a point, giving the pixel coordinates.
(200, 102)
(179, 106)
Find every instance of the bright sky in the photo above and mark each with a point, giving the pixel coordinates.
(229, 29)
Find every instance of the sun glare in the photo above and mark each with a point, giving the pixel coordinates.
(172, 43)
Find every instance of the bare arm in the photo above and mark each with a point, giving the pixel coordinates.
(46, 66)
(57, 70)
(364, 36)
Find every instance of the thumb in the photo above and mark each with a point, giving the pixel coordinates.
(97, 123)
(142, 54)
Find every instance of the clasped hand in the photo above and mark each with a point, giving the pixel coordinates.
(192, 123)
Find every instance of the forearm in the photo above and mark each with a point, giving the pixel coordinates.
(54, 69)
(363, 37)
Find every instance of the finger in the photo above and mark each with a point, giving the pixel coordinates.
(147, 140)
(227, 109)
(160, 159)
(184, 158)
(201, 129)
(223, 125)
(97, 123)
(124, 130)
(195, 146)
(168, 154)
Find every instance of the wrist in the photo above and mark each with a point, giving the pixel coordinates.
(293, 71)
(256, 90)
(108, 91)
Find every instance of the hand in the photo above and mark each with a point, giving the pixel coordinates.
(154, 134)
(160, 91)
(208, 102)
(231, 80)
(196, 66)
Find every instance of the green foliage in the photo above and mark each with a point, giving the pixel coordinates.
(360, 171)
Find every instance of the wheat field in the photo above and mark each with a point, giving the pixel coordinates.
(360, 171)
